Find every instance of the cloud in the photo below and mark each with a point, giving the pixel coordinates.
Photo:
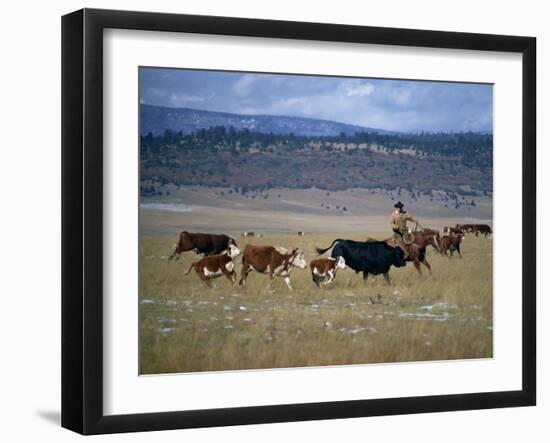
(360, 89)
(184, 100)
(402, 105)
(244, 85)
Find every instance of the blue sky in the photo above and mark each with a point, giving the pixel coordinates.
(399, 105)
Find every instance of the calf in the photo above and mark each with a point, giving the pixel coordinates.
(323, 267)
(271, 260)
(451, 243)
(215, 266)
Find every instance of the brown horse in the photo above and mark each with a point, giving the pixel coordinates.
(417, 250)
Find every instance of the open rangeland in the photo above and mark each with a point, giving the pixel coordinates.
(186, 327)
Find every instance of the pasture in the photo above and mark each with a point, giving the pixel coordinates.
(185, 327)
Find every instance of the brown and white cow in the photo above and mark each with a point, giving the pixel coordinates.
(215, 266)
(451, 242)
(322, 268)
(207, 244)
(275, 261)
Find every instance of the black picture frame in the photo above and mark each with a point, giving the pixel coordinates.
(82, 218)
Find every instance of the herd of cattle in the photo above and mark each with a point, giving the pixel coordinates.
(368, 257)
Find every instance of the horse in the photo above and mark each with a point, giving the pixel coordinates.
(418, 242)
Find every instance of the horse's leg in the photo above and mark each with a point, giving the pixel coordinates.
(417, 265)
(425, 263)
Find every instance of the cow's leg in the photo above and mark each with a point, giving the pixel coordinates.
(365, 276)
(387, 277)
(229, 274)
(315, 279)
(244, 272)
(330, 278)
(287, 281)
(204, 278)
(175, 253)
(458, 250)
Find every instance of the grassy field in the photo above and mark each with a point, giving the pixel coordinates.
(188, 328)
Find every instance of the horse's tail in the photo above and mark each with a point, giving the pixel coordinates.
(322, 251)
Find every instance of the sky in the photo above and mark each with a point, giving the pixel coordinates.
(399, 105)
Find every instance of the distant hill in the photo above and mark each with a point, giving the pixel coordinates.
(459, 163)
(157, 119)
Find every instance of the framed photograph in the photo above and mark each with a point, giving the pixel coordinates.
(269, 221)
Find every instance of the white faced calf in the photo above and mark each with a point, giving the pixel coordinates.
(215, 266)
(274, 261)
(321, 268)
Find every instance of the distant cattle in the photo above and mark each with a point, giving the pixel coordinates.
(207, 244)
(248, 234)
(275, 261)
(215, 266)
(371, 257)
(300, 233)
(475, 229)
(483, 229)
(450, 243)
(322, 268)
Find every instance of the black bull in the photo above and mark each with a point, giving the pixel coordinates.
(372, 257)
(207, 244)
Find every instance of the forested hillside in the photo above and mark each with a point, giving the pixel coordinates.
(248, 160)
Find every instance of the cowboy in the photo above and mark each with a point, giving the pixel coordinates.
(398, 223)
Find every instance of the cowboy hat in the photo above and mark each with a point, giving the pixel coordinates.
(398, 205)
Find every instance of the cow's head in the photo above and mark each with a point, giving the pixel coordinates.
(398, 257)
(233, 251)
(232, 241)
(298, 259)
(340, 262)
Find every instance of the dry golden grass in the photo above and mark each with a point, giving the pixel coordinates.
(186, 327)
